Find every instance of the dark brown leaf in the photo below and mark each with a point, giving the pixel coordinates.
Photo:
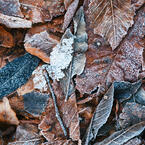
(104, 66)
(6, 38)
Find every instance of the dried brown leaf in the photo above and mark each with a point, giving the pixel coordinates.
(111, 19)
(14, 22)
(6, 38)
(70, 13)
(41, 10)
(7, 115)
(50, 127)
(40, 45)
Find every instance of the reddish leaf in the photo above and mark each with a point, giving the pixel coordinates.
(6, 39)
(41, 10)
(111, 19)
(104, 66)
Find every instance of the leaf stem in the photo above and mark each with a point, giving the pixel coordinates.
(55, 104)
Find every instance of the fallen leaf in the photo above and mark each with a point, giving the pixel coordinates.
(70, 13)
(7, 115)
(125, 90)
(134, 141)
(6, 38)
(137, 3)
(27, 134)
(61, 56)
(14, 22)
(41, 10)
(16, 73)
(67, 3)
(140, 95)
(10, 8)
(9, 54)
(35, 102)
(122, 136)
(50, 127)
(104, 66)
(26, 88)
(132, 113)
(100, 116)
(111, 19)
(40, 45)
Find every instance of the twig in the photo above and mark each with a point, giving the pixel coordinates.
(55, 104)
(69, 81)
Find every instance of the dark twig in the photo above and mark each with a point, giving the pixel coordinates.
(69, 81)
(55, 104)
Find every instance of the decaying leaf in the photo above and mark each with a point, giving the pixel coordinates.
(6, 39)
(35, 102)
(16, 73)
(50, 127)
(100, 115)
(61, 56)
(103, 66)
(125, 90)
(70, 13)
(40, 45)
(132, 113)
(14, 22)
(10, 8)
(140, 95)
(111, 19)
(7, 115)
(27, 134)
(122, 136)
(67, 3)
(42, 10)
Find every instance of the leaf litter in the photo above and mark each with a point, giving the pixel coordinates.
(93, 53)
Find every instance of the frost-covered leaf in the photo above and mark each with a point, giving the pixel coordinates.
(100, 115)
(124, 90)
(16, 73)
(7, 115)
(140, 95)
(134, 141)
(111, 19)
(67, 3)
(42, 10)
(35, 102)
(14, 22)
(39, 79)
(122, 136)
(70, 13)
(132, 113)
(104, 66)
(61, 56)
(27, 134)
(40, 45)
(10, 8)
